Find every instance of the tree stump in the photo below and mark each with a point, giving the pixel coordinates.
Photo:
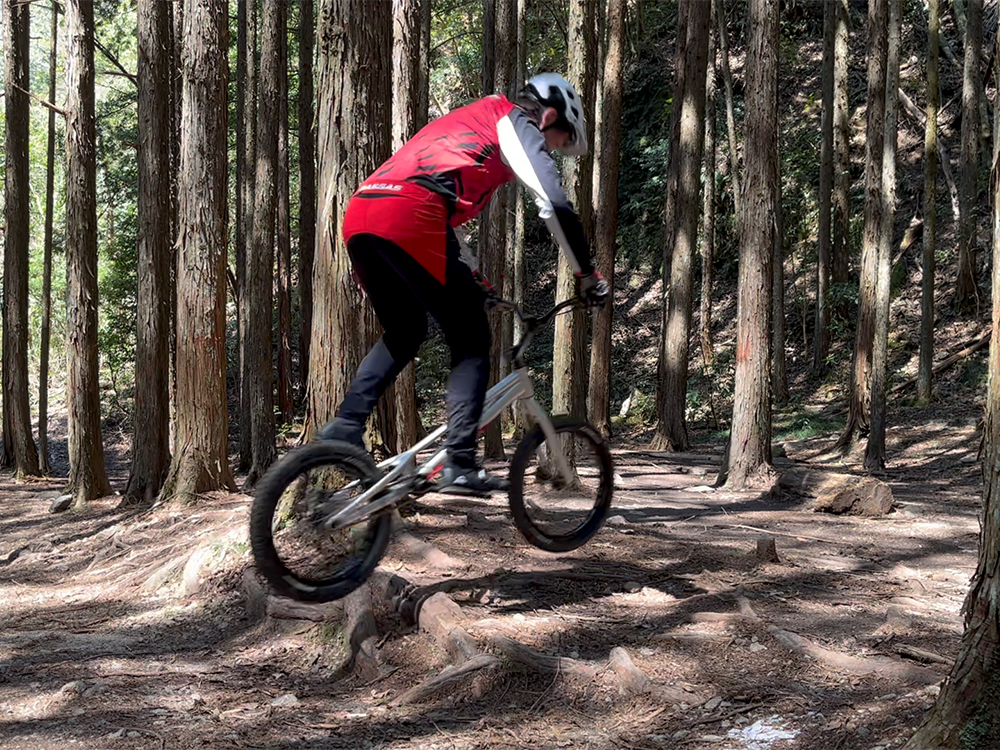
(361, 634)
(767, 550)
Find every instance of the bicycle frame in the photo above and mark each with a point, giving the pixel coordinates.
(515, 387)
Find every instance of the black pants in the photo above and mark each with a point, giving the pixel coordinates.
(402, 293)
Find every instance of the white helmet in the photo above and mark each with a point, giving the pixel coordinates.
(552, 90)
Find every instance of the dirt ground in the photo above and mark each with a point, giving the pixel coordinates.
(140, 630)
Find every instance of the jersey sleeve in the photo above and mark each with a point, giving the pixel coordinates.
(522, 147)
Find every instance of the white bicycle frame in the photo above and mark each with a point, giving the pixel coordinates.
(515, 387)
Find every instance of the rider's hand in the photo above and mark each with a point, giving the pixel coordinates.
(592, 289)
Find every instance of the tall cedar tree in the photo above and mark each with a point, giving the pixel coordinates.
(241, 179)
(257, 370)
(966, 712)
(671, 391)
(727, 80)
(200, 456)
(88, 479)
(249, 126)
(875, 451)
(18, 444)
(965, 285)
(821, 333)
(859, 413)
(517, 260)
(353, 139)
(151, 432)
(46, 332)
(607, 150)
(708, 208)
(840, 250)
(283, 237)
(779, 368)
(926, 359)
(748, 459)
(407, 54)
(307, 183)
(569, 373)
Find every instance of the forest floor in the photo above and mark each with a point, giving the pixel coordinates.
(126, 630)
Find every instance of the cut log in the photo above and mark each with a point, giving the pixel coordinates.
(439, 616)
(921, 655)
(362, 634)
(629, 676)
(449, 677)
(518, 652)
(836, 493)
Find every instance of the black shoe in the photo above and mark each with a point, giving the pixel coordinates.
(474, 481)
(344, 430)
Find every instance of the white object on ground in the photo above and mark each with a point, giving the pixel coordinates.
(763, 733)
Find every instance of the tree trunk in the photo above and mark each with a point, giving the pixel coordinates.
(175, 11)
(840, 250)
(257, 370)
(424, 96)
(607, 150)
(307, 184)
(407, 77)
(966, 295)
(354, 138)
(875, 451)
(727, 79)
(926, 358)
(498, 61)
(779, 367)
(708, 209)
(200, 456)
(748, 459)
(151, 432)
(242, 51)
(966, 713)
(283, 230)
(569, 343)
(46, 332)
(19, 446)
(821, 334)
(671, 393)
(249, 126)
(860, 394)
(87, 477)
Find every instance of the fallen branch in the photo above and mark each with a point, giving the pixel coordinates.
(289, 609)
(944, 364)
(914, 111)
(921, 655)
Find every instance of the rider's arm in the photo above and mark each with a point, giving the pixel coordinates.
(522, 147)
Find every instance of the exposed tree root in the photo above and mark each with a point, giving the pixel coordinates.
(539, 662)
(449, 677)
(629, 676)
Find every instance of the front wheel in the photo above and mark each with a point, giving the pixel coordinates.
(292, 549)
(551, 514)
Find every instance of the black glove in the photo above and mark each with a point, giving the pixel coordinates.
(592, 289)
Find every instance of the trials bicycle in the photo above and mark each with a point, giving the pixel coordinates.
(322, 517)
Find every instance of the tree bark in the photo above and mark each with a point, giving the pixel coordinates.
(607, 150)
(821, 334)
(966, 713)
(283, 229)
(671, 392)
(200, 456)
(779, 367)
(354, 138)
(87, 477)
(840, 248)
(859, 411)
(46, 332)
(307, 184)
(708, 209)
(407, 78)
(249, 126)
(926, 357)
(18, 444)
(242, 52)
(748, 459)
(569, 378)
(875, 451)
(257, 371)
(151, 431)
(424, 96)
(966, 295)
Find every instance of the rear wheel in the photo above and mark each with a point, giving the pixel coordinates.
(550, 513)
(292, 550)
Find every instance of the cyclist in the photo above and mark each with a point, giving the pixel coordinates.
(404, 252)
